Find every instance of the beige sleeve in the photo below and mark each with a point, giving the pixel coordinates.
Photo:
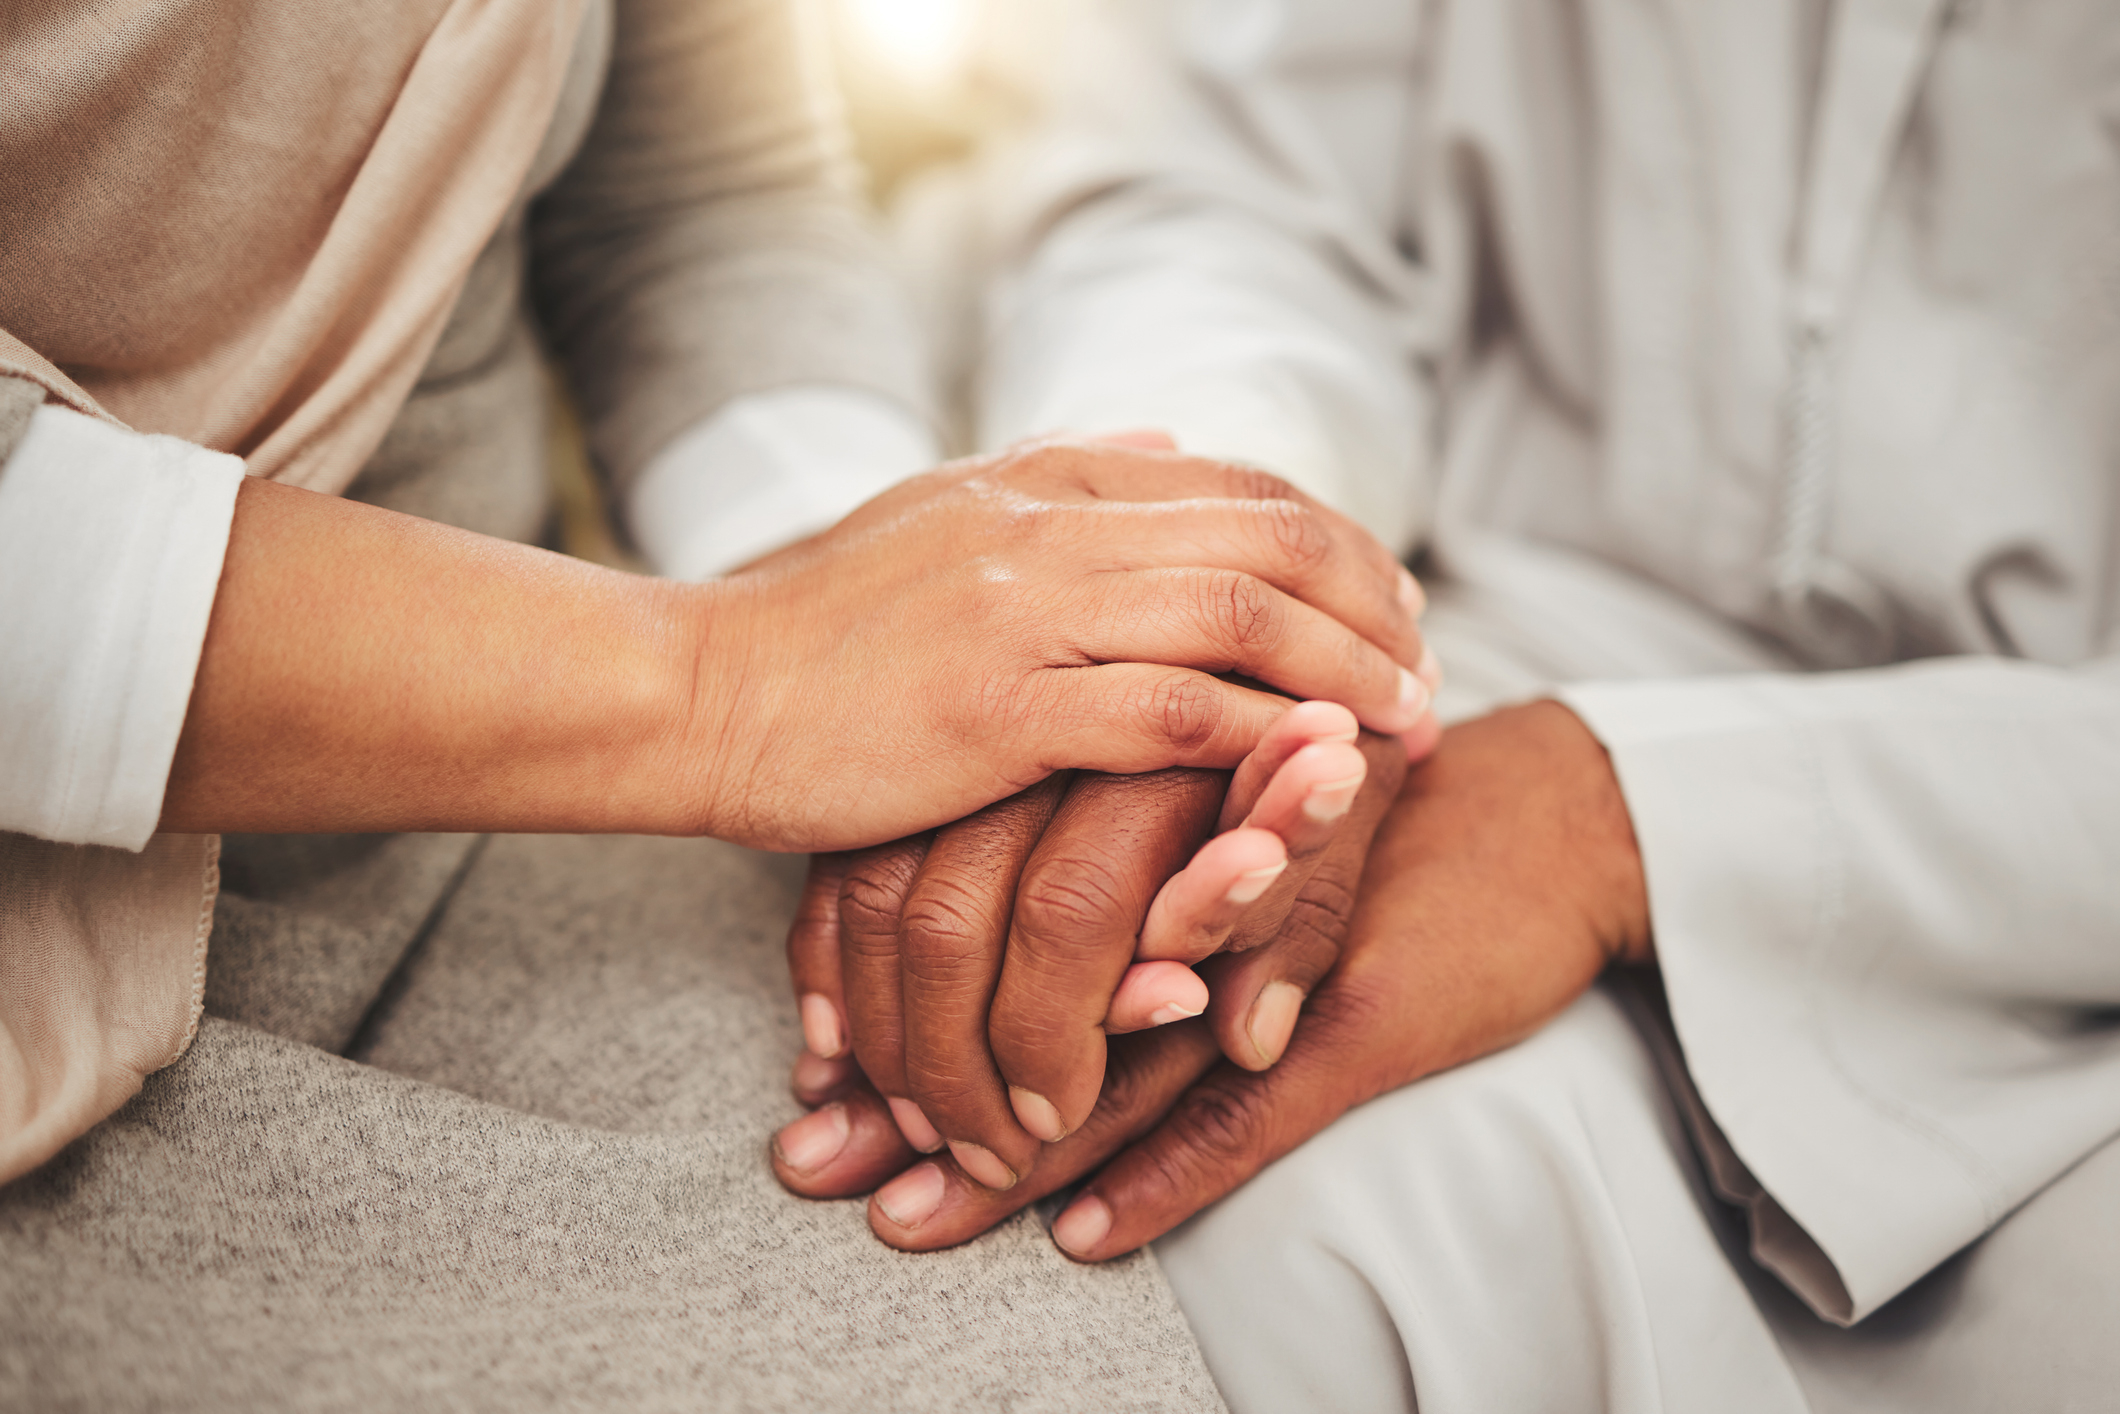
(102, 955)
(102, 970)
(707, 241)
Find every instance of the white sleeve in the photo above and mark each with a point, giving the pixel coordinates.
(111, 545)
(1887, 911)
(768, 469)
(1198, 241)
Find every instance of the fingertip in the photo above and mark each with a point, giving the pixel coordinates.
(822, 1030)
(1423, 737)
(816, 1079)
(1412, 598)
(813, 1141)
(1083, 1227)
(1251, 885)
(1413, 700)
(913, 1124)
(983, 1165)
(1337, 771)
(1319, 720)
(1037, 1114)
(1155, 994)
(1269, 1024)
(1231, 870)
(911, 1199)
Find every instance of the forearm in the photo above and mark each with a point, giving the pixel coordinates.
(365, 670)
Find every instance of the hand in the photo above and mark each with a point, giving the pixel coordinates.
(1502, 881)
(974, 630)
(978, 972)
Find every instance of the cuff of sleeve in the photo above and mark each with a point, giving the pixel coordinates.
(1850, 1197)
(111, 546)
(767, 470)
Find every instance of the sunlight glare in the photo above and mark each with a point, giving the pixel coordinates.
(923, 41)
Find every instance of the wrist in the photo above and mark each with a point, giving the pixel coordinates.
(1607, 858)
(683, 779)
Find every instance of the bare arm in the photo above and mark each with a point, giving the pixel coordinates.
(364, 670)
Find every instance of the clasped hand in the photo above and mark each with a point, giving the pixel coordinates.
(1441, 917)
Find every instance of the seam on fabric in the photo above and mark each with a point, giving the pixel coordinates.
(209, 894)
(394, 986)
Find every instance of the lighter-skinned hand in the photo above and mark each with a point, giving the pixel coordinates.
(1064, 605)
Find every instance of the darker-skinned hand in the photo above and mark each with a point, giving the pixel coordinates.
(980, 969)
(1504, 878)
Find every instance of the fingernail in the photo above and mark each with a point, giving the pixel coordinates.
(1087, 1222)
(915, 1127)
(912, 1198)
(1330, 800)
(820, 1026)
(815, 1140)
(1411, 597)
(814, 1073)
(1170, 1011)
(1254, 882)
(983, 1166)
(1430, 669)
(1413, 697)
(1273, 1020)
(1037, 1114)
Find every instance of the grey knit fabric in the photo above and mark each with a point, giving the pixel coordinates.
(309, 928)
(548, 1191)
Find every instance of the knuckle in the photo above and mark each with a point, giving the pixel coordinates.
(940, 919)
(1253, 483)
(1296, 537)
(1215, 1130)
(1242, 610)
(1320, 913)
(1344, 1021)
(870, 902)
(1186, 709)
(1072, 902)
(947, 1092)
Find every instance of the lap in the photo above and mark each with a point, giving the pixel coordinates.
(545, 1188)
(1532, 1232)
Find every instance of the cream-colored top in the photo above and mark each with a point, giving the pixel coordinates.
(353, 159)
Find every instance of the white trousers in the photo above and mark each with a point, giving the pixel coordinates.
(1533, 1232)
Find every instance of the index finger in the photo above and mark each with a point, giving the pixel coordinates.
(1077, 921)
(1307, 549)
